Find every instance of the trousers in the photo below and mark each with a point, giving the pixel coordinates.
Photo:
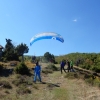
(37, 75)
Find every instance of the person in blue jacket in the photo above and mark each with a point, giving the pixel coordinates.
(62, 65)
(37, 72)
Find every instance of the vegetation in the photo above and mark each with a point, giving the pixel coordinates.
(1, 68)
(22, 84)
(48, 57)
(22, 69)
(5, 84)
(71, 75)
(9, 52)
(23, 90)
(12, 52)
(21, 49)
(49, 69)
(55, 85)
(52, 67)
(90, 61)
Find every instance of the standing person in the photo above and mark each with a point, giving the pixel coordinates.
(62, 65)
(71, 65)
(68, 64)
(37, 72)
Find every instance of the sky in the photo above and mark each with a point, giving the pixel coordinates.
(77, 21)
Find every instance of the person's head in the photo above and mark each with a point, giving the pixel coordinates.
(37, 63)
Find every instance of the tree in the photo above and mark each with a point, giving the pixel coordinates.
(49, 57)
(9, 51)
(21, 49)
(52, 58)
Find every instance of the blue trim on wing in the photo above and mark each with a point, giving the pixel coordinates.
(47, 37)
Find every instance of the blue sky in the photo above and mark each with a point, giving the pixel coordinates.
(78, 21)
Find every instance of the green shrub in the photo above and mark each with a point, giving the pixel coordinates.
(1, 67)
(85, 66)
(88, 66)
(86, 76)
(22, 69)
(4, 59)
(52, 67)
(82, 66)
(97, 69)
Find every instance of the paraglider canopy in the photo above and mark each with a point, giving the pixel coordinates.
(46, 35)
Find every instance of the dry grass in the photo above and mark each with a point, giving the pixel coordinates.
(56, 87)
(10, 64)
(29, 64)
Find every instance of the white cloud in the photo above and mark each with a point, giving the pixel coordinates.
(75, 20)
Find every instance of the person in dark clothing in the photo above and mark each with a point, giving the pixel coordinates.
(62, 65)
(71, 66)
(68, 64)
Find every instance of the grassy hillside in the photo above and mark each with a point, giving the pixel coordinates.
(55, 86)
(90, 61)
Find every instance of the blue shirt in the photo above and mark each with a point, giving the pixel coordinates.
(62, 64)
(37, 69)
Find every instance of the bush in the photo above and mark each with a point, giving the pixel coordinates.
(1, 67)
(85, 66)
(4, 59)
(22, 69)
(97, 69)
(88, 66)
(52, 67)
(87, 76)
